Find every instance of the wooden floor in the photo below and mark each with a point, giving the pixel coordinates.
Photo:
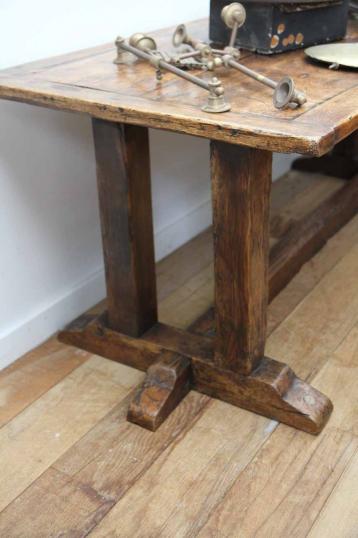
(70, 464)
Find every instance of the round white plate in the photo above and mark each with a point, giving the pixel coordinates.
(345, 54)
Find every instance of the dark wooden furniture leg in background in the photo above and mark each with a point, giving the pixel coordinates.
(341, 162)
(232, 367)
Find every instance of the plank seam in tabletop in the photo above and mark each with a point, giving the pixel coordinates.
(314, 106)
(100, 90)
(148, 95)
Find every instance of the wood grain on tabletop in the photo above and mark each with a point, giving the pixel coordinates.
(89, 82)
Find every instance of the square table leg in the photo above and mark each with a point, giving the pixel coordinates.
(124, 189)
(241, 186)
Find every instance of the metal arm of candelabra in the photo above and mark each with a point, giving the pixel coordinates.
(234, 16)
(145, 48)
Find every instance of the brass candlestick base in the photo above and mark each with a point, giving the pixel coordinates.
(216, 101)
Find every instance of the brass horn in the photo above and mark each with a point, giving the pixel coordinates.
(142, 42)
(181, 37)
(286, 93)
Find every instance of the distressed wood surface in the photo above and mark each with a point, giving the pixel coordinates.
(213, 442)
(49, 364)
(329, 313)
(272, 389)
(124, 188)
(166, 383)
(63, 500)
(241, 184)
(96, 472)
(342, 161)
(310, 234)
(45, 367)
(339, 516)
(89, 82)
(209, 455)
(265, 505)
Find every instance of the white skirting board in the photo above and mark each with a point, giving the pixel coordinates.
(17, 340)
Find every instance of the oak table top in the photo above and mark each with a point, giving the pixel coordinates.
(89, 82)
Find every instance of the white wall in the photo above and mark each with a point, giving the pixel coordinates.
(51, 265)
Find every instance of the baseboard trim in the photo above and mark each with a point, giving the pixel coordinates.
(30, 332)
(39, 325)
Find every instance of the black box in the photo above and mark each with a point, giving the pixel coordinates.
(274, 26)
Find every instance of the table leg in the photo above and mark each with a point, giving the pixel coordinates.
(241, 374)
(241, 185)
(123, 173)
(233, 367)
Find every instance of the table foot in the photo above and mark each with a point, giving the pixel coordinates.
(272, 390)
(176, 361)
(166, 383)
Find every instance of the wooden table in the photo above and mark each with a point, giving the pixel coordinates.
(228, 361)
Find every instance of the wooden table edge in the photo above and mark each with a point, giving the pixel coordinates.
(314, 145)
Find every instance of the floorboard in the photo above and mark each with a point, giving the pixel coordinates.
(45, 366)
